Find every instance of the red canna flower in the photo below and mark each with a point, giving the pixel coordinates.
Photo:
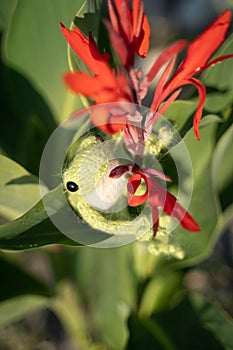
(129, 34)
(156, 195)
(195, 61)
(104, 85)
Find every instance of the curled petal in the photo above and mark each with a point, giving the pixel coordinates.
(215, 61)
(198, 114)
(119, 171)
(133, 183)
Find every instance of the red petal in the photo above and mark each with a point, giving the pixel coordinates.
(102, 118)
(112, 15)
(143, 42)
(137, 17)
(173, 208)
(118, 43)
(141, 29)
(159, 196)
(82, 83)
(155, 219)
(157, 100)
(201, 49)
(202, 96)
(125, 19)
(86, 50)
(164, 57)
(169, 101)
(132, 186)
(215, 61)
(100, 88)
(119, 171)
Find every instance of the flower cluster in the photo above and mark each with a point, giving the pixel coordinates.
(130, 35)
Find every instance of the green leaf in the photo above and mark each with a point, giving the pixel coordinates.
(204, 206)
(14, 309)
(222, 171)
(6, 9)
(160, 292)
(218, 101)
(111, 295)
(37, 49)
(34, 228)
(19, 190)
(181, 247)
(220, 76)
(195, 323)
(179, 114)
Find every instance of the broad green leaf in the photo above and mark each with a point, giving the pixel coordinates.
(19, 190)
(222, 171)
(37, 49)
(104, 277)
(195, 323)
(181, 247)
(160, 292)
(179, 114)
(6, 10)
(218, 101)
(34, 228)
(14, 309)
(203, 206)
(220, 76)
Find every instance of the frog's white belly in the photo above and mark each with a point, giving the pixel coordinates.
(106, 193)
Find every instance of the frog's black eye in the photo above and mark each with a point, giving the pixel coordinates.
(99, 138)
(71, 186)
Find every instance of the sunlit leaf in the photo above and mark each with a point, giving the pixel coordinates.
(19, 190)
(34, 228)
